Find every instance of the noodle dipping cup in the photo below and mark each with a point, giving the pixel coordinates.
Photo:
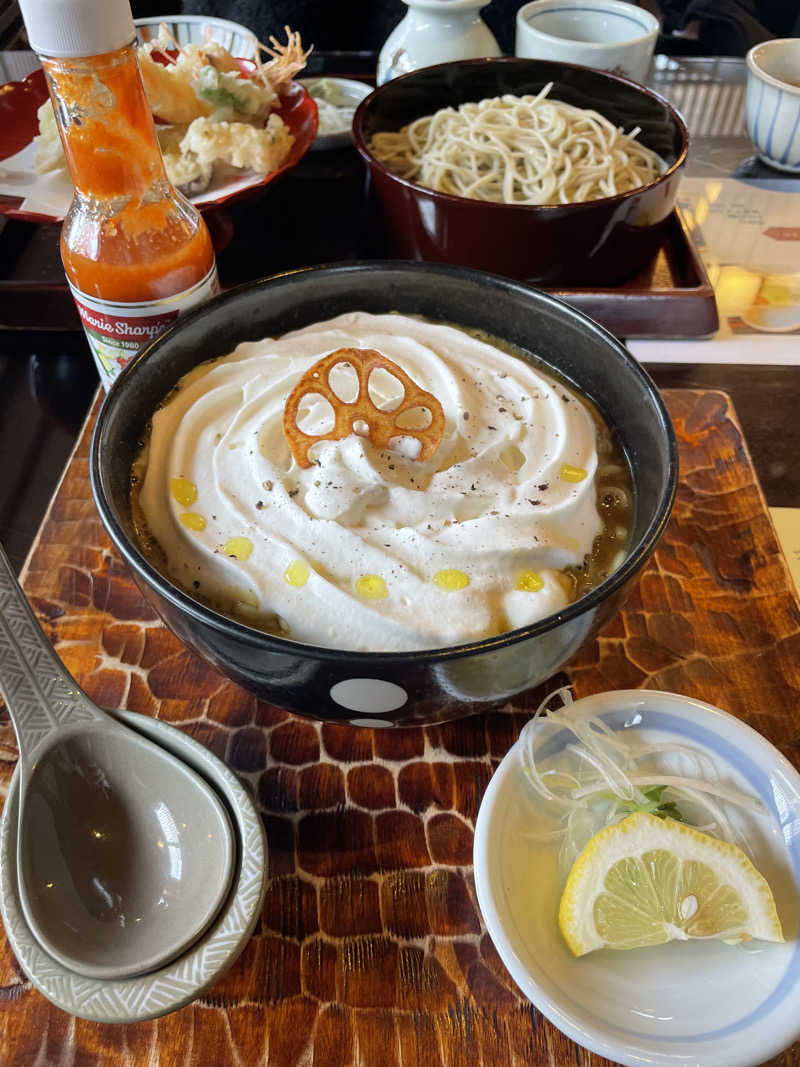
(382, 688)
(596, 243)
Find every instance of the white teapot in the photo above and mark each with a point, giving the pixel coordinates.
(436, 31)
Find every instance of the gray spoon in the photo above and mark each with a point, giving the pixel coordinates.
(125, 855)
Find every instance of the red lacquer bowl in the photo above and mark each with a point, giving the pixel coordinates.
(599, 242)
(19, 102)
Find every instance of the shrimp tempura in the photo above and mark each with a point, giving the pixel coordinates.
(285, 61)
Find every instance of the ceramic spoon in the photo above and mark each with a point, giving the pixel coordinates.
(124, 855)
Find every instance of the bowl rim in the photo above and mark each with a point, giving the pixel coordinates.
(450, 198)
(758, 72)
(523, 22)
(357, 89)
(196, 20)
(135, 558)
(361, 88)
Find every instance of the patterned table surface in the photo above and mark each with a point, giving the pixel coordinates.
(371, 948)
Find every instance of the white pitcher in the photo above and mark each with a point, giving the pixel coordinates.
(436, 31)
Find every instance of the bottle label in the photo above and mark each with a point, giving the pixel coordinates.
(116, 332)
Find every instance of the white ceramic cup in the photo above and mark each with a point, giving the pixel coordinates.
(772, 102)
(607, 34)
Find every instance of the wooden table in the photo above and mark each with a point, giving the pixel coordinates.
(371, 948)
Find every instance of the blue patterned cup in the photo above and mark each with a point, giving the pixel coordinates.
(772, 102)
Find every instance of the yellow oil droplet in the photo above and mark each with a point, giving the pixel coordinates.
(451, 580)
(297, 573)
(238, 547)
(529, 582)
(513, 458)
(184, 491)
(371, 587)
(571, 474)
(192, 521)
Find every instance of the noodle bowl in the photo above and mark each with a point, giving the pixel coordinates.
(597, 241)
(519, 150)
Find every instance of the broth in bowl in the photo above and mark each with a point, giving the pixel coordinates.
(393, 542)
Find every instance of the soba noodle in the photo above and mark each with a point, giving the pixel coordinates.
(519, 150)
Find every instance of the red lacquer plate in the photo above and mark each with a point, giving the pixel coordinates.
(19, 102)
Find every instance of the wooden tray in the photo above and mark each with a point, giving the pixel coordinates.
(314, 215)
(671, 297)
(371, 949)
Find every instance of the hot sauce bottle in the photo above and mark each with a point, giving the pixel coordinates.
(136, 253)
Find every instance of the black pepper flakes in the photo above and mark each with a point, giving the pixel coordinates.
(259, 505)
(534, 503)
(543, 487)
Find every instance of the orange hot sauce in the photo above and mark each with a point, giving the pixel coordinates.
(136, 253)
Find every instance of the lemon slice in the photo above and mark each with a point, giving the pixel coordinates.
(645, 881)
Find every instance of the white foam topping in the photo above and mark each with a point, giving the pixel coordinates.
(371, 549)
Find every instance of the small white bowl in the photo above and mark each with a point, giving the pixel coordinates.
(605, 34)
(150, 995)
(350, 93)
(191, 29)
(772, 102)
(776, 306)
(707, 1004)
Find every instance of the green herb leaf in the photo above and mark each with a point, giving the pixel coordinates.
(654, 805)
(222, 98)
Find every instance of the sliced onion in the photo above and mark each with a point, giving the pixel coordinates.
(606, 778)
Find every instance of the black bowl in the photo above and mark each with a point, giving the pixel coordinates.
(596, 243)
(390, 688)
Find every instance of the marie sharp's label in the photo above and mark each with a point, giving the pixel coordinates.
(116, 332)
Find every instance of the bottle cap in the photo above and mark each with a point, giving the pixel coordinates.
(68, 29)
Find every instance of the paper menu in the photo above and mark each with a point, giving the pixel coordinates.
(787, 527)
(748, 236)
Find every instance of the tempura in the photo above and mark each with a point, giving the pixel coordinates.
(213, 116)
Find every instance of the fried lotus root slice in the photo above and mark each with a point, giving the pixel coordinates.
(382, 425)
